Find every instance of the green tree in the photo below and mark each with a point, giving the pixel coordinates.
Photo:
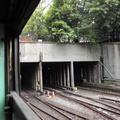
(91, 19)
(35, 27)
(106, 17)
(64, 18)
(94, 20)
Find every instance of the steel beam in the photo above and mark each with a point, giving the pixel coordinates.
(16, 64)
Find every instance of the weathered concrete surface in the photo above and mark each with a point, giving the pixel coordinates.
(51, 52)
(30, 52)
(111, 59)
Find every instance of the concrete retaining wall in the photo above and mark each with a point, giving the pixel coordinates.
(51, 52)
(111, 59)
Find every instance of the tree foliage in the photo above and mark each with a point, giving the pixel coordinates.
(63, 19)
(106, 16)
(35, 27)
(74, 19)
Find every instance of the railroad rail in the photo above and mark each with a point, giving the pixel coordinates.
(101, 87)
(66, 115)
(116, 101)
(110, 97)
(110, 108)
(108, 92)
(114, 108)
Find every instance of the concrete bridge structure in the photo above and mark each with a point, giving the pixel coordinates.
(68, 64)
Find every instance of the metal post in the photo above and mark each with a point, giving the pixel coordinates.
(16, 64)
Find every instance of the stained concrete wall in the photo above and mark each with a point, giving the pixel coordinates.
(51, 52)
(111, 59)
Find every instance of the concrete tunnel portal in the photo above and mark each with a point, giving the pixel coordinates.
(58, 74)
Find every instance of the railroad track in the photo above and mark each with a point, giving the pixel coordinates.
(63, 110)
(102, 87)
(107, 107)
(101, 90)
(114, 95)
(64, 114)
(114, 108)
(102, 99)
(116, 101)
(46, 111)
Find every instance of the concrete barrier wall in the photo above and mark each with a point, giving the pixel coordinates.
(51, 52)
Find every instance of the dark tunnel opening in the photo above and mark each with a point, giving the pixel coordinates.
(58, 74)
(29, 74)
(86, 72)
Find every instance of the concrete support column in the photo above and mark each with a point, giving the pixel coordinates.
(51, 77)
(33, 83)
(55, 79)
(41, 77)
(79, 75)
(61, 83)
(90, 74)
(68, 75)
(85, 74)
(54, 76)
(96, 72)
(33, 76)
(32, 80)
(82, 72)
(72, 74)
(100, 72)
(58, 77)
(64, 70)
(36, 78)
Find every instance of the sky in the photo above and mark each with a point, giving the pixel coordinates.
(47, 3)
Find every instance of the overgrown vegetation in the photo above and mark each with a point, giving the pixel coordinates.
(71, 20)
